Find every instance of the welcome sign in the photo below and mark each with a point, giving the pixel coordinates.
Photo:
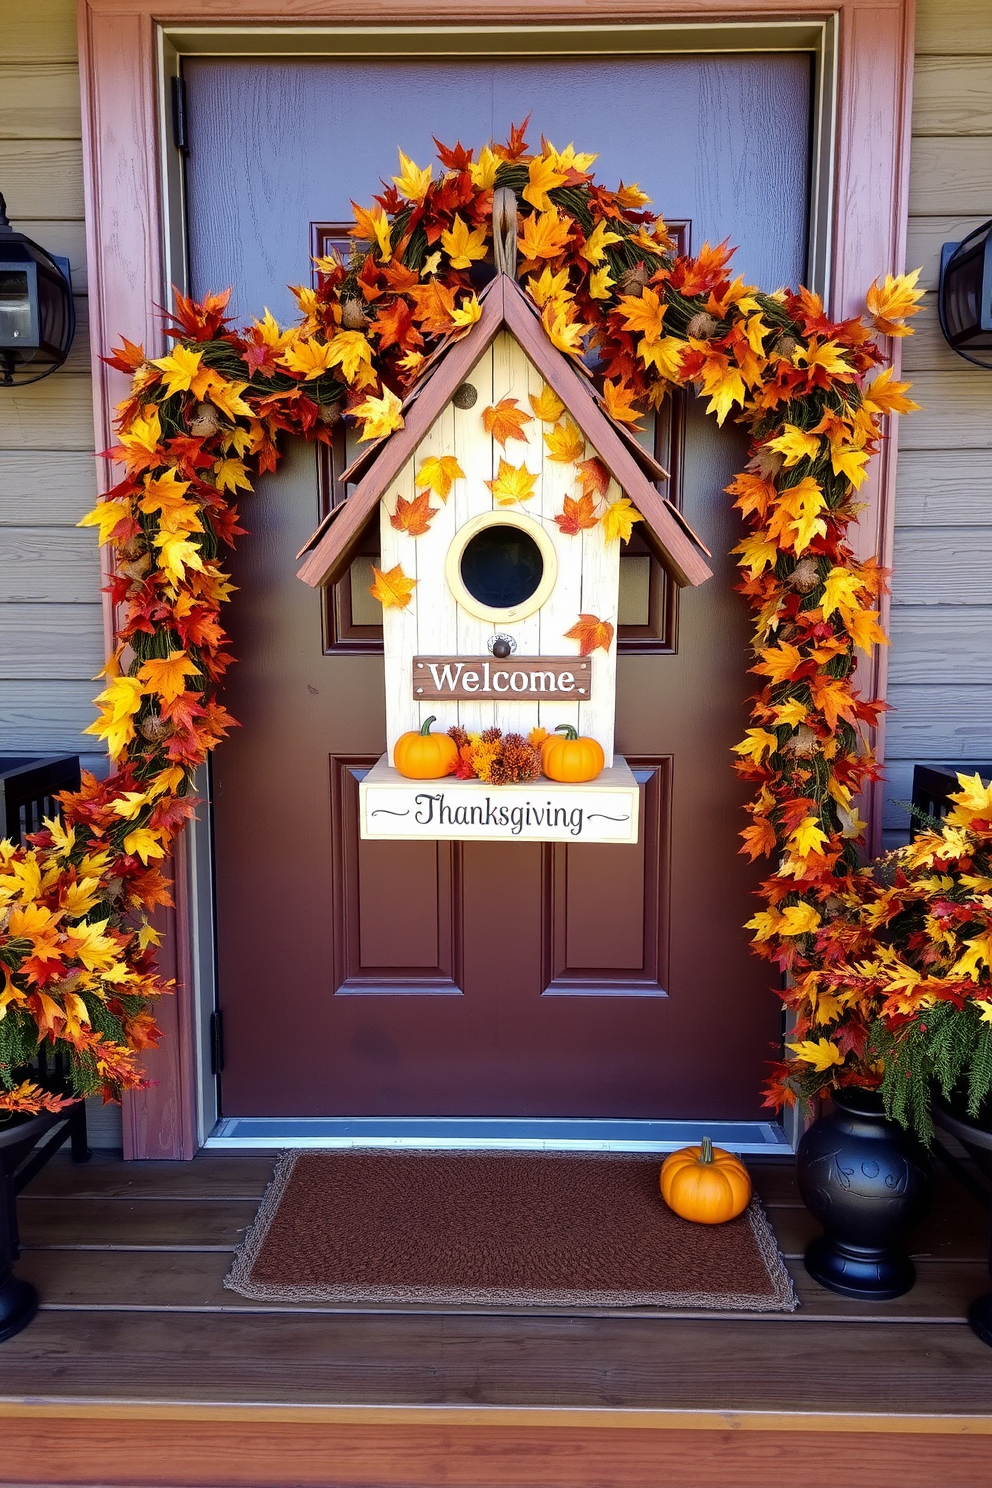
(393, 808)
(564, 679)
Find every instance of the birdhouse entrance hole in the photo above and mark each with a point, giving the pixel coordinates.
(501, 566)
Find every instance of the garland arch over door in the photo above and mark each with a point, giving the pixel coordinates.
(852, 15)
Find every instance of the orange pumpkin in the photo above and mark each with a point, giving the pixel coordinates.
(571, 757)
(423, 755)
(705, 1184)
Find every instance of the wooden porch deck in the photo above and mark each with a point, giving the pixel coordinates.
(142, 1370)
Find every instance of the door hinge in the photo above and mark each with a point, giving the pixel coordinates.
(179, 138)
(216, 1042)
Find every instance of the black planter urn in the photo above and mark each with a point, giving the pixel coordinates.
(865, 1179)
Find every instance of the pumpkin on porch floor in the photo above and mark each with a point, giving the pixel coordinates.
(705, 1184)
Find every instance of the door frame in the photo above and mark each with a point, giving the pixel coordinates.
(129, 50)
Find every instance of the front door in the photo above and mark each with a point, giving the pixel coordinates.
(510, 979)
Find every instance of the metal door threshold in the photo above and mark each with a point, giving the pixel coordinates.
(269, 1133)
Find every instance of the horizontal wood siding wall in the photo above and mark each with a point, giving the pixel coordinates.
(51, 628)
(940, 667)
(51, 622)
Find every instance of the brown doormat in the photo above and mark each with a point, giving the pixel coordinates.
(506, 1228)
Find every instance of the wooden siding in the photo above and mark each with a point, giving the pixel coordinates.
(940, 667)
(51, 629)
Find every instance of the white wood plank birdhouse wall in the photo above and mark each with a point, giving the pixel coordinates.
(502, 503)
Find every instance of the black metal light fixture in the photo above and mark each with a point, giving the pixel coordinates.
(964, 296)
(37, 314)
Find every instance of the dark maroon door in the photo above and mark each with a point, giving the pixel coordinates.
(484, 979)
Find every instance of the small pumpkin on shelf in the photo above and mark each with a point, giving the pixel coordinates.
(571, 757)
(422, 755)
(705, 1184)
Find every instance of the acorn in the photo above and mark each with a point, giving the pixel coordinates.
(155, 728)
(205, 421)
(701, 327)
(803, 744)
(632, 281)
(329, 413)
(804, 577)
(353, 316)
(786, 346)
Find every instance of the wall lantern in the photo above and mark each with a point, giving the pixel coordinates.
(37, 314)
(964, 298)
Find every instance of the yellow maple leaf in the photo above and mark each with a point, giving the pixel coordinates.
(972, 800)
(545, 235)
(393, 590)
(176, 555)
(791, 712)
(569, 159)
(756, 744)
(808, 838)
(81, 896)
(311, 357)
(632, 197)
(594, 248)
(796, 518)
(644, 313)
(547, 286)
(144, 433)
(865, 630)
(412, 182)
(144, 843)
(799, 919)
(849, 461)
(841, 588)
(183, 371)
(892, 301)
(547, 405)
(757, 554)
(542, 177)
(375, 227)
(130, 803)
(231, 474)
(107, 515)
(886, 396)
(351, 351)
(227, 397)
(600, 283)
(795, 445)
(724, 386)
(512, 483)
(380, 416)
(826, 354)
(483, 171)
(467, 313)
(565, 444)
(463, 244)
(118, 703)
(566, 334)
(438, 472)
(619, 518)
(665, 355)
(821, 1054)
(166, 676)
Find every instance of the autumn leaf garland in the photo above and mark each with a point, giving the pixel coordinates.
(200, 424)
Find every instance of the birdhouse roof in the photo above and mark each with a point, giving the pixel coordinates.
(332, 547)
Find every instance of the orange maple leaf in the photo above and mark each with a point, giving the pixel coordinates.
(576, 515)
(393, 589)
(594, 478)
(166, 676)
(618, 398)
(545, 235)
(504, 420)
(413, 516)
(591, 634)
(435, 307)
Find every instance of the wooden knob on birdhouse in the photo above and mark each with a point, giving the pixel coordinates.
(501, 648)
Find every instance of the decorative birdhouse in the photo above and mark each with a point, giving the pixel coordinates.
(502, 503)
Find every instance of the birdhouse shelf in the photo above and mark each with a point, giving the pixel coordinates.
(501, 503)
